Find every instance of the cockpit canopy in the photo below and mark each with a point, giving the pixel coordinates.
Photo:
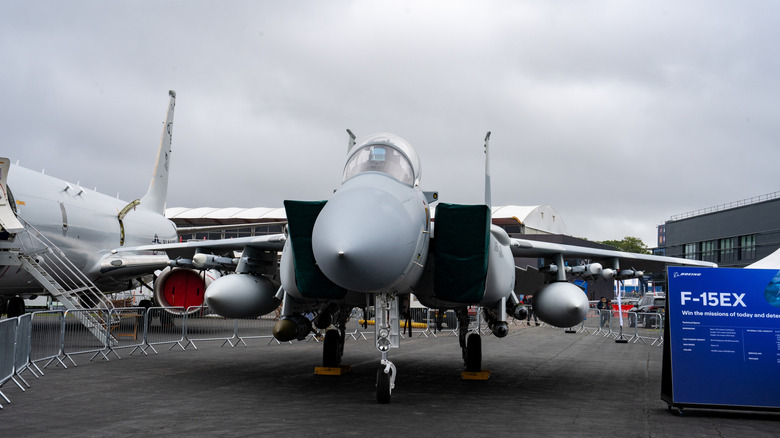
(386, 153)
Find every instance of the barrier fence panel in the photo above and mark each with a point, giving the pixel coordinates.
(591, 322)
(354, 326)
(8, 329)
(201, 326)
(164, 326)
(22, 361)
(647, 326)
(47, 334)
(86, 332)
(128, 326)
(366, 323)
(257, 328)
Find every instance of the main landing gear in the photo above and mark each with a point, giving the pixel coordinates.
(333, 343)
(470, 343)
(333, 348)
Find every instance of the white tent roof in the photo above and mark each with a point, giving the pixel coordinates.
(772, 261)
(537, 217)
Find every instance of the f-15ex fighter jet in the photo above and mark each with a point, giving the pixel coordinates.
(373, 243)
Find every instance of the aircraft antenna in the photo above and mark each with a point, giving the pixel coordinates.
(488, 200)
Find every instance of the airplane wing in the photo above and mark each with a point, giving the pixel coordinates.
(270, 242)
(646, 262)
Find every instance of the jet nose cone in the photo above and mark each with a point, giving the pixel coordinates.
(364, 239)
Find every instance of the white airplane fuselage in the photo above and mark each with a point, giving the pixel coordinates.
(83, 223)
(86, 226)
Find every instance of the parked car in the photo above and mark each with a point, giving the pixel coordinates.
(647, 311)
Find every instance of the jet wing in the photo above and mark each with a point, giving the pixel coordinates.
(271, 242)
(645, 262)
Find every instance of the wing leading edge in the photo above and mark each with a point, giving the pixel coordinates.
(647, 262)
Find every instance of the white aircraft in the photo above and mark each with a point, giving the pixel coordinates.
(373, 243)
(59, 238)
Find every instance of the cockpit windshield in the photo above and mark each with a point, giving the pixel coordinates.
(380, 158)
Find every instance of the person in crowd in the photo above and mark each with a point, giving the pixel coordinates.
(527, 300)
(605, 310)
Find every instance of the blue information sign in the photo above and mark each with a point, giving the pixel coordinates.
(724, 327)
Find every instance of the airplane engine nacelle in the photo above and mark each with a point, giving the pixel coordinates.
(242, 296)
(560, 304)
(181, 287)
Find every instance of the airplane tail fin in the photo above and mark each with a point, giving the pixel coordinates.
(156, 196)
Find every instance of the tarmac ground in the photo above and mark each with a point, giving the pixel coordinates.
(544, 382)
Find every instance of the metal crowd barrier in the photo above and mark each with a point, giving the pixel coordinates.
(87, 331)
(8, 328)
(607, 324)
(164, 326)
(47, 338)
(201, 326)
(23, 346)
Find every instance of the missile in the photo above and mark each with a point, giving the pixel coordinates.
(519, 312)
(291, 327)
(589, 270)
(207, 261)
(499, 329)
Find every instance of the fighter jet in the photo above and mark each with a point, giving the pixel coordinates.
(58, 238)
(373, 243)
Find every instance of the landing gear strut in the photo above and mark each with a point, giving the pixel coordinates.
(387, 336)
(470, 343)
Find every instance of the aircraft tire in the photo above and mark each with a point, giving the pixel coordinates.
(16, 307)
(382, 386)
(474, 353)
(330, 349)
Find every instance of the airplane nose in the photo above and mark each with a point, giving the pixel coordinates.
(364, 239)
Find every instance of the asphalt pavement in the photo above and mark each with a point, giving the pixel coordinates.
(544, 382)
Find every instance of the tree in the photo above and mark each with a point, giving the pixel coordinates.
(628, 244)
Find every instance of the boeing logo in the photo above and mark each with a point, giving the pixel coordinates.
(687, 274)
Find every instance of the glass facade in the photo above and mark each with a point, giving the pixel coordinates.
(747, 247)
(728, 253)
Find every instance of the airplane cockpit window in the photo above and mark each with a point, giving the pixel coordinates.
(380, 158)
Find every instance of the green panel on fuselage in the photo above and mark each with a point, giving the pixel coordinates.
(310, 280)
(461, 243)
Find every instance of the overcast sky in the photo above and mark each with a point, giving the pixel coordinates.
(618, 114)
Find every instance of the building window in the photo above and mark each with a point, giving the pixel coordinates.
(747, 247)
(691, 251)
(728, 252)
(708, 253)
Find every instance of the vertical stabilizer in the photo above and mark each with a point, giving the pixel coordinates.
(155, 197)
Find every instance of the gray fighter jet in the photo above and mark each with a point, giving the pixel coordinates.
(373, 243)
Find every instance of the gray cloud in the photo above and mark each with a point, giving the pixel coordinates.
(618, 114)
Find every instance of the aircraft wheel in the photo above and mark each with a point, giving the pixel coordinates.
(16, 307)
(330, 349)
(382, 385)
(474, 353)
